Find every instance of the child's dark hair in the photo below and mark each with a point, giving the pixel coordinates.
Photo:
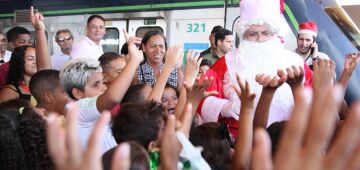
(205, 62)
(139, 158)
(138, 122)
(23, 137)
(216, 146)
(134, 94)
(275, 130)
(168, 85)
(17, 65)
(44, 80)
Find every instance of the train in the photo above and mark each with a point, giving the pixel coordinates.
(190, 22)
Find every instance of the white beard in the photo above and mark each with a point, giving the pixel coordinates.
(253, 58)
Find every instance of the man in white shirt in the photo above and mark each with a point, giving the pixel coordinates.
(89, 46)
(64, 38)
(5, 55)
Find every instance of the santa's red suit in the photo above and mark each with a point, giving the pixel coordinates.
(249, 60)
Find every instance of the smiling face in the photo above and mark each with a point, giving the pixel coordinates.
(155, 50)
(30, 61)
(96, 29)
(169, 99)
(304, 42)
(64, 40)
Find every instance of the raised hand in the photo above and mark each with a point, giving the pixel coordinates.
(270, 82)
(171, 147)
(134, 51)
(324, 73)
(191, 67)
(294, 76)
(37, 19)
(243, 142)
(247, 97)
(195, 93)
(349, 67)
(351, 62)
(174, 56)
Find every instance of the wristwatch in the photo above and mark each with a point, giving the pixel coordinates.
(316, 58)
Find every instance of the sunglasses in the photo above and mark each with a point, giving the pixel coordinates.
(62, 39)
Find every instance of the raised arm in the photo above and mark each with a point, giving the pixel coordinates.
(43, 60)
(191, 69)
(270, 84)
(116, 91)
(349, 67)
(243, 143)
(173, 59)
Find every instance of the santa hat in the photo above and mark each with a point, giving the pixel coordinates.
(308, 28)
(259, 12)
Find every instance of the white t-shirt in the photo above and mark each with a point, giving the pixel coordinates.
(88, 116)
(86, 48)
(59, 59)
(7, 56)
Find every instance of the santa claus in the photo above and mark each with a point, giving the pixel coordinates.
(260, 51)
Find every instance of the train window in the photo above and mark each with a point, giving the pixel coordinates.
(140, 32)
(110, 41)
(32, 33)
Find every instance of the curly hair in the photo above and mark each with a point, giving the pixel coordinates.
(17, 65)
(27, 130)
(11, 152)
(138, 122)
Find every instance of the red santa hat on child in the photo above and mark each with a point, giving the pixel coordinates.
(308, 28)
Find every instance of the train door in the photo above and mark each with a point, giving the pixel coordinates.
(193, 27)
(114, 37)
(139, 27)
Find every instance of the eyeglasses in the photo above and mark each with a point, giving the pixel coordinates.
(251, 35)
(62, 39)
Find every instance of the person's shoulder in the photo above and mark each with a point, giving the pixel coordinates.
(87, 102)
(205, 52)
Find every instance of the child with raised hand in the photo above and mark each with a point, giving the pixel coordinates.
(349, 67)
(173, 60)
(350, 64)
(82, 80)
(190, 73)
(243, 141)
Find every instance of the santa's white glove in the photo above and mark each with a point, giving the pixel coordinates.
(227, 111)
